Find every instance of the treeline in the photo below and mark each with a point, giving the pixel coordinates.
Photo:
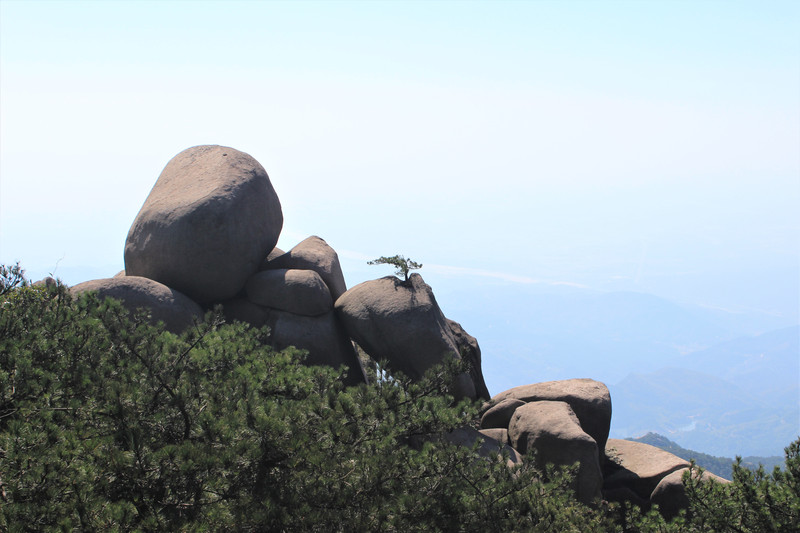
(110, 423)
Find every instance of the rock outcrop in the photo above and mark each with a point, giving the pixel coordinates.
(207, 224)
(400, 322)
(206, 235)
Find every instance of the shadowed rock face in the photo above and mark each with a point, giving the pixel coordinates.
(167, 305)
(401, 323)
(208, 223)
(468, 349)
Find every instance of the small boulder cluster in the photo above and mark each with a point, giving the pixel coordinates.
(568, 422)
(206, 236)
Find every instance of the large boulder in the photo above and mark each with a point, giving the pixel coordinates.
(322, 336)
(301, 292)
(400, 322)
(670, 494)
(207, 224)
(314, 254)
(638, 466)
(166, 305)
(589, 399)
(552, 429)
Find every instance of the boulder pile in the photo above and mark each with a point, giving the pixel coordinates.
(206, 236)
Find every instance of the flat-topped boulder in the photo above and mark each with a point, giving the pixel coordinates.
(176, 310)
(207, 224)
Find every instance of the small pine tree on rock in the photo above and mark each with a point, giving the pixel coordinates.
(402, 264)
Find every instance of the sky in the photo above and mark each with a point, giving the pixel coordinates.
(640, 146)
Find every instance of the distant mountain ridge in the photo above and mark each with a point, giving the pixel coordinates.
(722, 466)
(723, 382)
(738, 398)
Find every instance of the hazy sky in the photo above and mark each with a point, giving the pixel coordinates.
(650, 146)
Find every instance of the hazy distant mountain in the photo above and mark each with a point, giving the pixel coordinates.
(704, 377)
(766, 366)
(722, 466)
(738, 398)
(701, 412)
(531, 333)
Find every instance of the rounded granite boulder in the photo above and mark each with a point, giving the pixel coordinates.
(177, 311)
(301, 292)
(208, 223)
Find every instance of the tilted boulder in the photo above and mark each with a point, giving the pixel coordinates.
(670, 494)
(589, 399)
(314, 254)
(400, 322)
(322, 336)
(176, 310)
(207, 224)
(301, 292)
(638, 466)
(553, 430)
